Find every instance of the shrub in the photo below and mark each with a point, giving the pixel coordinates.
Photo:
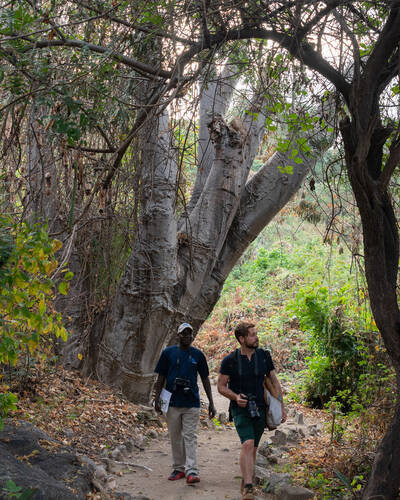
(334, 368)
(27, 315)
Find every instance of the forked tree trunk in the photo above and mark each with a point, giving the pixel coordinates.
(177, 268)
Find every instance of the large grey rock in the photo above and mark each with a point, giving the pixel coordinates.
(280, 436)
(100, 472)
(32, 459)
(116, 454)
(294, 432)
(261, 460)
(290, 492)
(264, 449)
(270, 478)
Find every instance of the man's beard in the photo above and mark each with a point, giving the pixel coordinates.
(251, 346)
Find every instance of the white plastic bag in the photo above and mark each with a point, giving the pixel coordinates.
(165, 397)
(274, 411)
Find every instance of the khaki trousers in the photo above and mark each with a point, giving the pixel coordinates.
(182, 425)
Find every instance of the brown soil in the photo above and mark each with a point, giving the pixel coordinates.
(218, 458)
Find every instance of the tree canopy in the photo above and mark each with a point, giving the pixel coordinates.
(87, 84)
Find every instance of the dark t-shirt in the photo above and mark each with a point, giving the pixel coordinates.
(175, 362)
(249, 383)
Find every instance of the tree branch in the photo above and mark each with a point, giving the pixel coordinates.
(303, 51)
(392, 162)
(385, 46)
(137, 27)
(265, 195)
(80, 44)
(215, 97)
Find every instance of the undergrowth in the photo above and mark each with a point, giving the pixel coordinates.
(310, 304)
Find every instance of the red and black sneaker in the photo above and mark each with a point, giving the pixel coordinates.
(176, 474)
(192, 478)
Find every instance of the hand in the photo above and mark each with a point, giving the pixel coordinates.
(211, 410)
(157, 406)
(241, 400)
(284, 414)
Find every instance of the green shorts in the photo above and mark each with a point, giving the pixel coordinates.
(247, 427)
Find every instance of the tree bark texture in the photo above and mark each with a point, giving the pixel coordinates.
(44, 203)
(364, 139)
(179, 262)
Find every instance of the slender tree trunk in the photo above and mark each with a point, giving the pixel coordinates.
(364, 141)
(45, 204)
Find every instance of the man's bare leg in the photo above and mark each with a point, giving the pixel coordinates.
(247, 460)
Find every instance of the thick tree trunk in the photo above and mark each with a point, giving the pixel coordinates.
(177, 275)
(143, 311)
(381, 257)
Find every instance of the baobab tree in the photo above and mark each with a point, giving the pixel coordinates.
(353, 45)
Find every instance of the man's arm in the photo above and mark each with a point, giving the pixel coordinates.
(207, 387)
(278, 391)
(158, 388)
(228, 393)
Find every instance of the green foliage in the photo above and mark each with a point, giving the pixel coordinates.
(257, 270)
(328, 488)
(330, 322)
(27, 315)
(313, 313)
(7, 403)
(14, 491)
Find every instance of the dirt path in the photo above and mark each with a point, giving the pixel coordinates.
(218, 457)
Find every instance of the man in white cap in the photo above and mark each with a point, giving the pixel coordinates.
(177, 369)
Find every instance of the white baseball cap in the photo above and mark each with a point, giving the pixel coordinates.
(183, 326)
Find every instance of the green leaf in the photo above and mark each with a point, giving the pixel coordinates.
(63, 288)
(12, 487)
(344, 479)
(68, 276)
(287, 169)
(27, 494)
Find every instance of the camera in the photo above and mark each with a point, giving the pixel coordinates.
(181, 383)
(252, 406)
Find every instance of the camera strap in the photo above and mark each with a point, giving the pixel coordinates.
(240, 368)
